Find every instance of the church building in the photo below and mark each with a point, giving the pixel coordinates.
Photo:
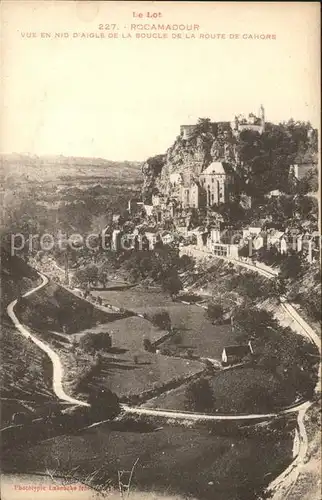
(216, 180)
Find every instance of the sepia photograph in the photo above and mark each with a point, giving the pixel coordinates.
(160, 250)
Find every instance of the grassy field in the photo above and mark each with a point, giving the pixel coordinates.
(126, 368)
(151, 373)
(54, 308)
(197, 332)
(128, 333)
(242, 390)
(187, 462)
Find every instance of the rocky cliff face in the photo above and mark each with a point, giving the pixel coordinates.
(188, 157)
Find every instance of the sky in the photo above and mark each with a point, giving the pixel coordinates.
(125, 98)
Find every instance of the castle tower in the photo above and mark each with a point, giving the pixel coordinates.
(262, 116)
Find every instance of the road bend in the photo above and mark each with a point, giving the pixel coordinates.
(57, 366)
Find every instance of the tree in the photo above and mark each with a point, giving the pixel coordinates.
(307, 207)
(253, 323)
(161, 319)
(172, 285)
(104, 404)
(91, 342)
(291, 267)
(309, 183)
(214, 311)
(199, 396)
(203, 126)
(102, 276)
(147, 344)
(85, 276)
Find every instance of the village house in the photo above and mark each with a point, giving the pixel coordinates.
(134, 206)
(275, 193)
(167, 238)
(260, 240)
(277, 239)
(148, 209)
(175, 179)
(300, 170)
(236, 354)
(153, 236)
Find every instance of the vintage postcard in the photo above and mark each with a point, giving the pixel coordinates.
(160, 250)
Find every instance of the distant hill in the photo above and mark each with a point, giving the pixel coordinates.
(50, 167)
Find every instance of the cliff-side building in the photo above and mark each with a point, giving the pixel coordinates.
(192, 195)
(216, 180)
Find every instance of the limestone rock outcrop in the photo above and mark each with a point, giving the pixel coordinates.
(188, 157)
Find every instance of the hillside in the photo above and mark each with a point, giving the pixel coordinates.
(25, 374)
(48, 194)
(40, 168)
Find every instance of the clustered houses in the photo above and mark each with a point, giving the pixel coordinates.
(228, 243)
(197, 186)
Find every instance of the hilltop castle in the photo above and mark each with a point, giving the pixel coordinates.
(253, 122)
(237, 125)
(198, 170)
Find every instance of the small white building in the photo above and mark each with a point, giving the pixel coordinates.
(235, 354)
(167, 238)
(153, 237)
(148, 210)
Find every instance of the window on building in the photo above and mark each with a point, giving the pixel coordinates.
(212, 179)
(212, 197)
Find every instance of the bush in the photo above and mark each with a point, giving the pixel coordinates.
(172, 285)
(104, 404)
(199, 396)
(148, 345)
(91, 342)
(214, 311)
(291, 267)
(253, 323)
(161, 319)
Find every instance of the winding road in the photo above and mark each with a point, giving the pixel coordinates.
(57, 366)
(58, 371)
(282, 485)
